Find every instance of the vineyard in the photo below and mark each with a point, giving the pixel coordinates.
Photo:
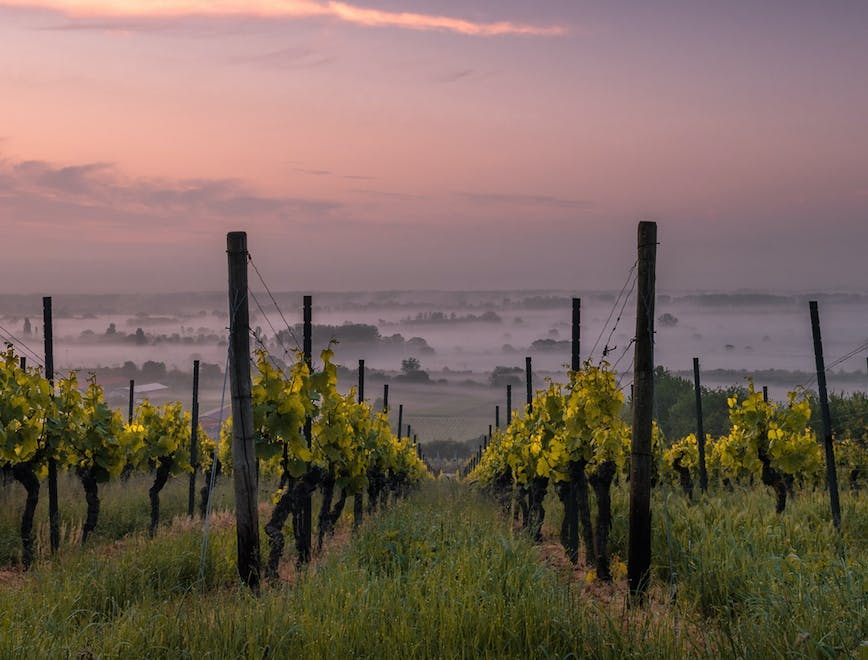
(531, 550)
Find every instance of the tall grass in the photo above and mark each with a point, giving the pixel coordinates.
(124, 509)
(443, 575)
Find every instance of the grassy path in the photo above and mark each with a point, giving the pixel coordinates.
(439, 575)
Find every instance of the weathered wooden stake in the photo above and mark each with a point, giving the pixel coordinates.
(400, 418)
(700, 430)
(243, 448)
(194, 441)
(53, 508)
(575, 359)
(528, 375)
(132, 401)
(497, 417)
(766, 393)
(386, 398)
(304, 548)
(508, 405)
(831, 474)
(22, 362)
(358, 498)
(639, 552)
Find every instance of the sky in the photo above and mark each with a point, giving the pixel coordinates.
(453, 144)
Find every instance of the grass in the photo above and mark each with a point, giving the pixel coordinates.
(443, 575)
(124, 509)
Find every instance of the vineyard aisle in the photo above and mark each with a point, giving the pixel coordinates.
(442, 574)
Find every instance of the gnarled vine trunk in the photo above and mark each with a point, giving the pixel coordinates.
(328, 516)
(358, 509)
(296, 491)
(684, 478)
(536, 512)
(601, 481)
(583, 503)
(164, 467)
(775, 479)
(24, 474)
(376, 485)
(91, 495)
(574, 495)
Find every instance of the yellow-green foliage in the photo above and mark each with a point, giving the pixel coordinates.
(161, 432)
(95, 436)
(685, 452)
(25, 399)
(347, 437)
(581, 424)
(763, 428)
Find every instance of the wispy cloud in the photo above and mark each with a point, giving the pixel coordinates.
(461, 75)
(285, 9)
(509, 199)
(96, 196)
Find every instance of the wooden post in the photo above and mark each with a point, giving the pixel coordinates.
(528, 376)
(765, 393)
(53, 508)
(22, 362)
(575, 361)
(831, 474)
(508, 405)
(639, 554)
(358, 498)
(194, 441)
(409, 431)
(386, 397)
(400, 418)
(307, 503)
(700, 430)
(243, 447)
(132, 401)
(497, 417)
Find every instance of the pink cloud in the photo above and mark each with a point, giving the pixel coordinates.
(285, 9)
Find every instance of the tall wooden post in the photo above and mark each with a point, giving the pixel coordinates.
(831, 473)
(243, 447)
(639, 553)
(132, 401)
(508, 405)
(528, 375)
(358, 498)
(386, 397)
(766, 393)
(194, 441)
(307, 503)
(700, 430)
(400, 418)
(409, 431)
(575, 358)
(497, 417)
(53, 508)
(22, 362)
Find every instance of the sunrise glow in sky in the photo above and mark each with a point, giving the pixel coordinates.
(454, 144)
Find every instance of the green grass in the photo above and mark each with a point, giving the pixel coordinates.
(443, 575)
(124, 509)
